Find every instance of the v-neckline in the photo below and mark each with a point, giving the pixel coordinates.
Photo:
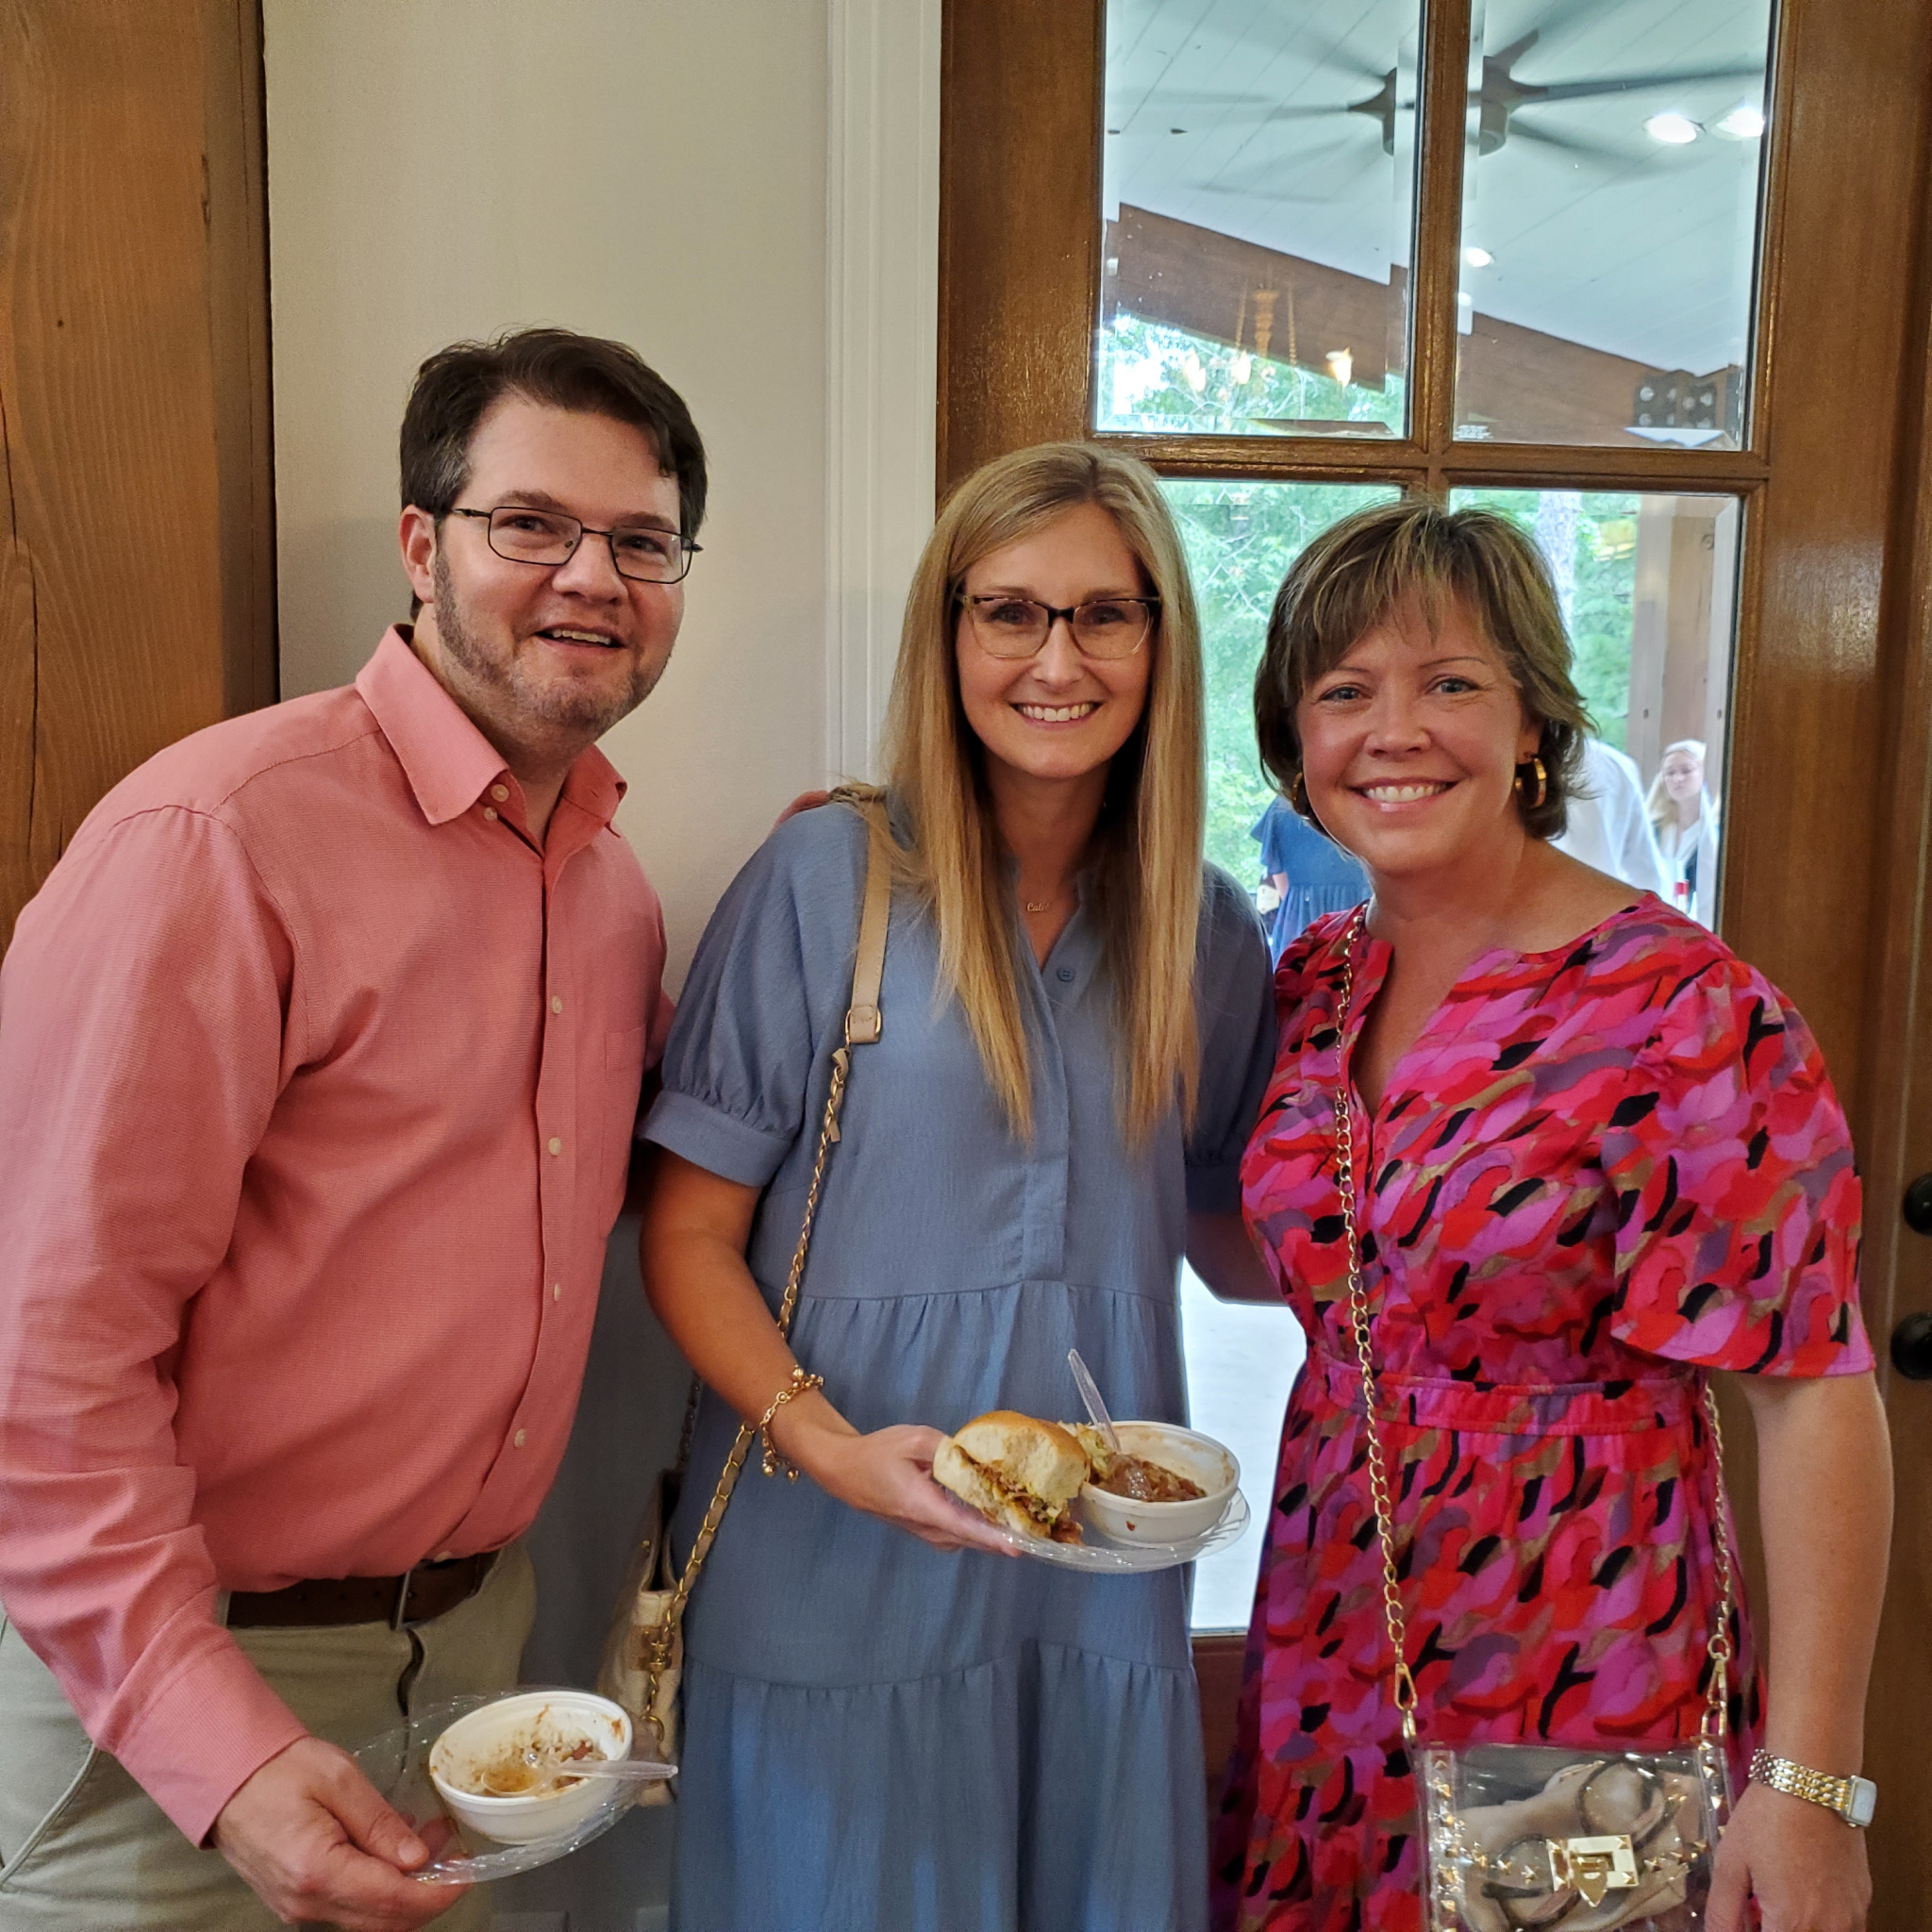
(1376, 976)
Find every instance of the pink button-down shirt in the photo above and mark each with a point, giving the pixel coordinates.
(317, 1084)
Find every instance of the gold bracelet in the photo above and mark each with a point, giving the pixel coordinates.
(799, 1384)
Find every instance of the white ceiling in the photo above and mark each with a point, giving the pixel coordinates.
(1641, 250)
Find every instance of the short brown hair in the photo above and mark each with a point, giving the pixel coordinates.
(1355, 573)
(561, 369)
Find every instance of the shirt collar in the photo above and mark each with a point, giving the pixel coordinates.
(448, 763)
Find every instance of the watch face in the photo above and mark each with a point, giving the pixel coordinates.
(1864, 1801)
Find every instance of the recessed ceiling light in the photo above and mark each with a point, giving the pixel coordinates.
(1674, 131)
(1478, 257)
(1741, 124)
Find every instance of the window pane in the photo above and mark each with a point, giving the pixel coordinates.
(1258, 207)
(1242, 1358)
(1609, 217)
(1648, 586)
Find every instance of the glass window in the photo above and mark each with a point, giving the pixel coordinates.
(1242, 1359)
(1241, 536)
(1609, 221)
(1648, 586)
(1258, 207)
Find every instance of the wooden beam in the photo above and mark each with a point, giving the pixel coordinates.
(1521, 385)
(1019, 245)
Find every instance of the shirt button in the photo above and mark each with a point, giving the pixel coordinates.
(499, 792)
(556, 1290)
(519, 1439)
(1065, 975)
(490, 813)
(555, 1145)
(556, 1004)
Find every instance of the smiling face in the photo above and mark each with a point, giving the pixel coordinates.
(1410, 745)
(547, 659)
(1683, 773)
(1058, 717)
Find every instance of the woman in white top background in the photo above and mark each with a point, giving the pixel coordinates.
(1684, 816)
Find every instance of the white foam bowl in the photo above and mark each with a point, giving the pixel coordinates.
(460, 1755)
(1188, 1453)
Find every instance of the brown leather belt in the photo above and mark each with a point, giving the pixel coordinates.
(417, 1596)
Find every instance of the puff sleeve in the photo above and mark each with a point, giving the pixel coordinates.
(1235, 1010)
(1737, 1199)
(770, 981)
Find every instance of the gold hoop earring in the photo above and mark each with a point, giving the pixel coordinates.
(1298, 794)
(1543, 783)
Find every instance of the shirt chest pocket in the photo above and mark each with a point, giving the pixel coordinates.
(624, 1073)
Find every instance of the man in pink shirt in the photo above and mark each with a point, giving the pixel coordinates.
(320, 1054)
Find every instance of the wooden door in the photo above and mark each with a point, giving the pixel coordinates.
(137, 524)
(1828, 717)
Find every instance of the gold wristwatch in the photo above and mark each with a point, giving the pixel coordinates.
(1852, 1798)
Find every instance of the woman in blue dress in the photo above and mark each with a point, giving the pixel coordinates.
(890, 1723)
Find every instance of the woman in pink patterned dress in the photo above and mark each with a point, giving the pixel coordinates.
(1596, 1156)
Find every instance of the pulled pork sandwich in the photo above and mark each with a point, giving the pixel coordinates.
(1017, 1472)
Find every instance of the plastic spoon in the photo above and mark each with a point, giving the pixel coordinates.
(639, 1771)
(1090, 1396)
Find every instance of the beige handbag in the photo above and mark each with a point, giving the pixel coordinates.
(1527, 1838)
(643, 1654)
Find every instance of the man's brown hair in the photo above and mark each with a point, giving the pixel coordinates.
(558, 369)
(1353, 574)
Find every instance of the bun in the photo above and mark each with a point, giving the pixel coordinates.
(1017, 1471)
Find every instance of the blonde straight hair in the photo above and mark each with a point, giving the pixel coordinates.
(1145, 857)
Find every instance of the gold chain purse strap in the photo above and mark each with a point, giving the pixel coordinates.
(1716, 1712)
(863, 1025)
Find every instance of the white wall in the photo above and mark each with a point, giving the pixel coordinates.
(448, 168)
(747, 191)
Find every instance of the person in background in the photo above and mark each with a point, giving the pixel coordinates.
(882, 1734)
(1595, 1158)
(1684, 815)
(320, 1057)
(1609, 825)
(1307, 873)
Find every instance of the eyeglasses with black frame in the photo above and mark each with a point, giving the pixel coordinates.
(520, 533)
(1016, 627)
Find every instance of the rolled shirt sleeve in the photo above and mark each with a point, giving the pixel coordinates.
(143, 1039)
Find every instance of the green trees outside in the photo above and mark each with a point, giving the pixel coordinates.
(1241, 535)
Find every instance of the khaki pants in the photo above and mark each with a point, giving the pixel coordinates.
(84, 1849)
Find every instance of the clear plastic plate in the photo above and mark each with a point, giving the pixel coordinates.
(1104, 1554)
(397, 1764)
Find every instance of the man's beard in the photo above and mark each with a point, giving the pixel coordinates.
(572, 707)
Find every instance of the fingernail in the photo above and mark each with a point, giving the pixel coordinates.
(414, 1850)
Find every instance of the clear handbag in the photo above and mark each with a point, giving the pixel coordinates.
(1530, 1837)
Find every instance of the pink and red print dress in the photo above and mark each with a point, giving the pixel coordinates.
(1597, 1171)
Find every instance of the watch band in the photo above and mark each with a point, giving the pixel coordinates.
(1852, 1798)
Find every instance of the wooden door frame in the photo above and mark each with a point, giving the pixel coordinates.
(1830, 779)
(137, 499)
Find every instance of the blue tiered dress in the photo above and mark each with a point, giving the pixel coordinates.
(879, 1734)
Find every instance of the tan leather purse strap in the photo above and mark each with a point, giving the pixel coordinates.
(863, 1025)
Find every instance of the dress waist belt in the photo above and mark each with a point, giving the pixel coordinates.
(1506, 1408)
